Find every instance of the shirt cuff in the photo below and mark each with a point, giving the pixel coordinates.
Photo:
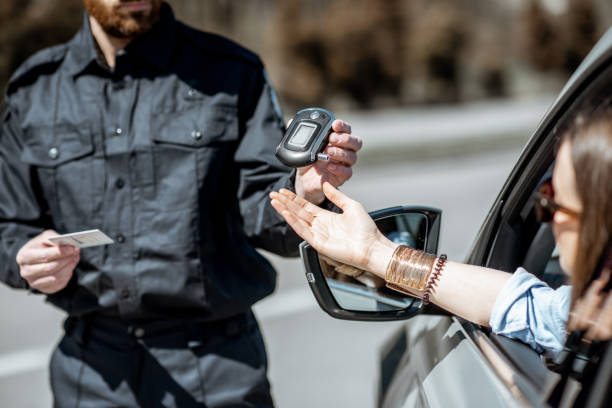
(528, 309)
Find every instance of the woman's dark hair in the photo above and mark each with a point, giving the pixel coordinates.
(591, 148)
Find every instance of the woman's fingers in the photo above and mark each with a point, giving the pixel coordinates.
(599, 283)
(591, 308)
(298, 206)
(335, 196)
(602, 328)
(585, 311)
(301, 227)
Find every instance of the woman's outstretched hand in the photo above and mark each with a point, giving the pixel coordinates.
(350, 237)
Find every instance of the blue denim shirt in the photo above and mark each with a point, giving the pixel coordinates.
(529, 310)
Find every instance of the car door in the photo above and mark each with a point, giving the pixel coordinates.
(446, 361)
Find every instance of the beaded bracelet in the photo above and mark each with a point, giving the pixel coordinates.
(435, 276)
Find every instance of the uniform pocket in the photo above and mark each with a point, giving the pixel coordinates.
(199, 125)
(191, 150)
(52, 146)
(63, 158)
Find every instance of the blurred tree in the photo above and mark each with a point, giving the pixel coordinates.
(581, 32)
(30, 25)
(349, 48)
(211, 15)
(542, 42)
(437, 41)
(362, 53)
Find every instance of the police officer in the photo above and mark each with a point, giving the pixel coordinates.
(163, 137)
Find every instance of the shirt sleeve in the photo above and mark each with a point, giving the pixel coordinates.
(260, 172)
(529, 310)
(20, 212)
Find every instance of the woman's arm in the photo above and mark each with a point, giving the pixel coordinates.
(353, 238)
(469, 291)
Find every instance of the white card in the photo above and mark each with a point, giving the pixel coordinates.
(83, 239)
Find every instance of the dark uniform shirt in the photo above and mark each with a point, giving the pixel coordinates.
(171, 153)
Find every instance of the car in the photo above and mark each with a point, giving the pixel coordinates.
(441, 360)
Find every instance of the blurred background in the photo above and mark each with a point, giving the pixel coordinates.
(367, 54)
(444, 94)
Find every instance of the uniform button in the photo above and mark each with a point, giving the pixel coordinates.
(120, 239)
(119, 183)
(118, 131)
(125, 293)
(197, 135)
(53, 153)
(191, 92)
(139, 332)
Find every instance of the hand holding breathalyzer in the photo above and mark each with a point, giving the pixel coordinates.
(306, 137)
(313, 135)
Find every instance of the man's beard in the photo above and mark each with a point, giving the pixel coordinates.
(120, 23)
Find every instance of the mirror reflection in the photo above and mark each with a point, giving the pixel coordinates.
(359, 290)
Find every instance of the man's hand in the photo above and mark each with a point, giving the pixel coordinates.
(45, 266)
(342, 150)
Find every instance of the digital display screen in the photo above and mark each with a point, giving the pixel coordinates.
(302, 134)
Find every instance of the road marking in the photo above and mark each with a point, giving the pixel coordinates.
(285, 303)
(24, 361)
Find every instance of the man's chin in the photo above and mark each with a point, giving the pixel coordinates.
(129, 28)
(127, 20)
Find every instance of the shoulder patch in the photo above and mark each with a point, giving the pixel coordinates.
(275, 104)
(44, 61)
(217, 44)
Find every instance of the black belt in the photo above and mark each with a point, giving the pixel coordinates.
(193, 331)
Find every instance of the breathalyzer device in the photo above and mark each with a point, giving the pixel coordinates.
(306, 138)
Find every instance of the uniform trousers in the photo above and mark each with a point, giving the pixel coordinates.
(103, 362)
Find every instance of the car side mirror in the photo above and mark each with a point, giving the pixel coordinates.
(346, 292)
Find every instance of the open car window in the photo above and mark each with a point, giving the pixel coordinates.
(517, 238)
(542, 255)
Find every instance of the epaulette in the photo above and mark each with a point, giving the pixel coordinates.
(217, 44)
(43, 62)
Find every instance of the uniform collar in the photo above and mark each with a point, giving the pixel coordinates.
(82, 49)
(156, 46)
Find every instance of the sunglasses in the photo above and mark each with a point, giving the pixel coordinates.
(545, 205)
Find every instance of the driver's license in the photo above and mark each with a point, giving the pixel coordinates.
(83, 239)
